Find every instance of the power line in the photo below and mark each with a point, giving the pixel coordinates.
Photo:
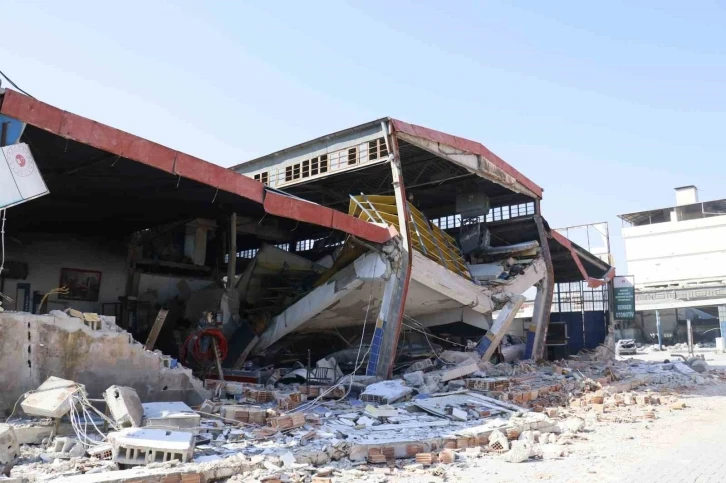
(14, 84)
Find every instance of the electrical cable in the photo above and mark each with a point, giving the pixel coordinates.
(312, 404)
(200, 356)
(14, 84)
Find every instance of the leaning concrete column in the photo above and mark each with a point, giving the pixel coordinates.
(543, 301)
(390, 316)
(499, 328)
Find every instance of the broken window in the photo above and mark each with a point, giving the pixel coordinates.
(262, 178)
(323, 163)
(296, 171)
(288, 173)
(352, 156)
(314, 166)
(284, 246)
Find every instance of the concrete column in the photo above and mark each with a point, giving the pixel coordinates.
(722, 319)
(500, 327)
(659, 329)
(390, 317)
(543, 301)
(232, 261)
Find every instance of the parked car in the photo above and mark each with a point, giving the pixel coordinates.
(626, 347)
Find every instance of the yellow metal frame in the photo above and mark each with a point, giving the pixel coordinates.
(426, 237)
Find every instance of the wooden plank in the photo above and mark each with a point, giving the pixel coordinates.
(156, 329)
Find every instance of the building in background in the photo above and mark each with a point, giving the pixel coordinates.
(677, 256)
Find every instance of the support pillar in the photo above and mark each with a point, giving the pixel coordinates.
(722, 319)
(543, 302)
(499, 328)
(659, 330)
(689, 330)
(390, 317)
(232, 260)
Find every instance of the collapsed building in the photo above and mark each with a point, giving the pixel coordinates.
(387, 225)
(473, 239)
(141, 273)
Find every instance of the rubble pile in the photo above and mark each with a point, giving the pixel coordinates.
(438, 412)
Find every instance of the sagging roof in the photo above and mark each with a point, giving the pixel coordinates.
(99, 174)
(570, 261)
(473, 156)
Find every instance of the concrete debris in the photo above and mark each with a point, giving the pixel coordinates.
(124, 405)
(138, 446)
(9, 447)
(385, 392)
(52, 399)
(176, 416)
(462, 370)
(519, 453)
(514, 411)
(414, 379)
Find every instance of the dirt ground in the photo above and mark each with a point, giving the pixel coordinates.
(679, 446)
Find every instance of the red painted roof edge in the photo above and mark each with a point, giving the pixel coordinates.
(469, 146)
(591, 282)
(86, 131)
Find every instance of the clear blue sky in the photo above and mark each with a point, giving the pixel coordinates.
(606, 106)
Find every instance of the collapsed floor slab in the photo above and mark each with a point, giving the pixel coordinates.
(34, 347)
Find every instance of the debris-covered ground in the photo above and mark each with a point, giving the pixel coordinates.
(455, 418)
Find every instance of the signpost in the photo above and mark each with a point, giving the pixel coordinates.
(624, 295)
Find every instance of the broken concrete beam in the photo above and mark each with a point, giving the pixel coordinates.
(500, 327)
(32, 434)
(124, 405)
(9, 447)
(171, 415)
(460, 371)
(52, 399)
(137, 446)
(384, 411)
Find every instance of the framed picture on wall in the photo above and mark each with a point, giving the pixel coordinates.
(82, 284)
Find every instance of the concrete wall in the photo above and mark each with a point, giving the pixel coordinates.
(677, 251)
(35, 347)
(46, 255)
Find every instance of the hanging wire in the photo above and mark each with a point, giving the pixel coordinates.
(14, 84)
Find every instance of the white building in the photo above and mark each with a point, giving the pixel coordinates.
(677, 256)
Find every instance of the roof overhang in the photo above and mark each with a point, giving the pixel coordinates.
(99, 174)
(469, 154)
